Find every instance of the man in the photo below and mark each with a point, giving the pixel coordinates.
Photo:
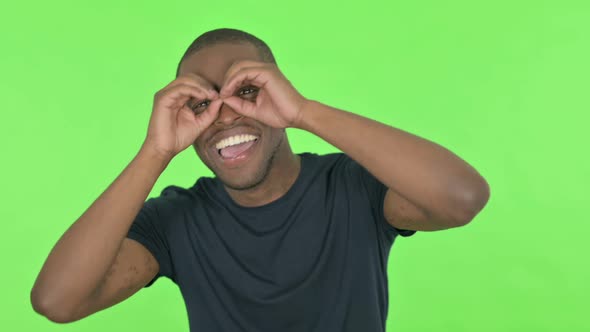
(276, 241)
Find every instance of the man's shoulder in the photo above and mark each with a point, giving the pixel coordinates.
(335, 166)
(326, 158)
(331, 160)
(177, 193)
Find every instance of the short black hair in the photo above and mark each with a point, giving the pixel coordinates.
(226, 35)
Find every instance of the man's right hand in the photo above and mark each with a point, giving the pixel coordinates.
(94, 265)
(182, 111)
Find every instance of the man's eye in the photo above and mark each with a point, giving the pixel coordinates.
(200, 106)
(247, 91)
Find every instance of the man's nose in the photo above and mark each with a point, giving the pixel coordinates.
(227, 116)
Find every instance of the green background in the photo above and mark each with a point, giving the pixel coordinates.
(503, 84)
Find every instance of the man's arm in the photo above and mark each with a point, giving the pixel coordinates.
(439, 189)
(430, 188)
(93, 265)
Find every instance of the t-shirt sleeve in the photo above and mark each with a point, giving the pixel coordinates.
(149, 229)
(375, 191)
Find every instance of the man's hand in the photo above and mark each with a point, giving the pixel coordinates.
(176, 122)
(278, 104)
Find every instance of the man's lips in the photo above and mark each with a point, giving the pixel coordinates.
(230, 139)
(232, 136)
(235, 140)
(235, 151)
(239, 157)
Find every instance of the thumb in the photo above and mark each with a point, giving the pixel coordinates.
(206, 118)
(241, 106)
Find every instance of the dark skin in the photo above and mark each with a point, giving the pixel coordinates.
(271, 171)
(430, 188)
(224, 90)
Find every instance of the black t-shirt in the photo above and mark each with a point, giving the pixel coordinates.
(313, 260)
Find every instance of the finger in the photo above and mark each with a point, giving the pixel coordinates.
(179, 95)
(241, 106)
(196, 81)
(206, 118)
(182, 87)
(239, 65)
(214, 106)
(207, 93)
(256, 76)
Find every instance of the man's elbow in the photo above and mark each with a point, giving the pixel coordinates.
(474, 200)
(45, 307)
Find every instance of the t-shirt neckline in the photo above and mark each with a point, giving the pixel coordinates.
(295, 187)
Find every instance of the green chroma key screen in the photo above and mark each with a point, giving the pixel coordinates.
(502, 84)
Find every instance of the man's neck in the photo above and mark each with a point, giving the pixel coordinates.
(279, 180)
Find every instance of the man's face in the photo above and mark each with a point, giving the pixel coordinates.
(239, 166)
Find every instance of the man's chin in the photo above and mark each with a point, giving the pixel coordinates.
(246, 179)
(240, 185)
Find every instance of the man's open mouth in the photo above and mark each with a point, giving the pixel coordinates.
(235, 146)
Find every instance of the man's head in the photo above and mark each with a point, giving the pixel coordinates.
(210, 56)
(228, 36)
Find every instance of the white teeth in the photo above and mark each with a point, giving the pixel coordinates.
(234, 140)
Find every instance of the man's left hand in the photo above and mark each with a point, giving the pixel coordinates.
(278, 104)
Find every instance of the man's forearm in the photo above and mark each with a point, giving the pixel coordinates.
(78, 262)
(420, 170)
